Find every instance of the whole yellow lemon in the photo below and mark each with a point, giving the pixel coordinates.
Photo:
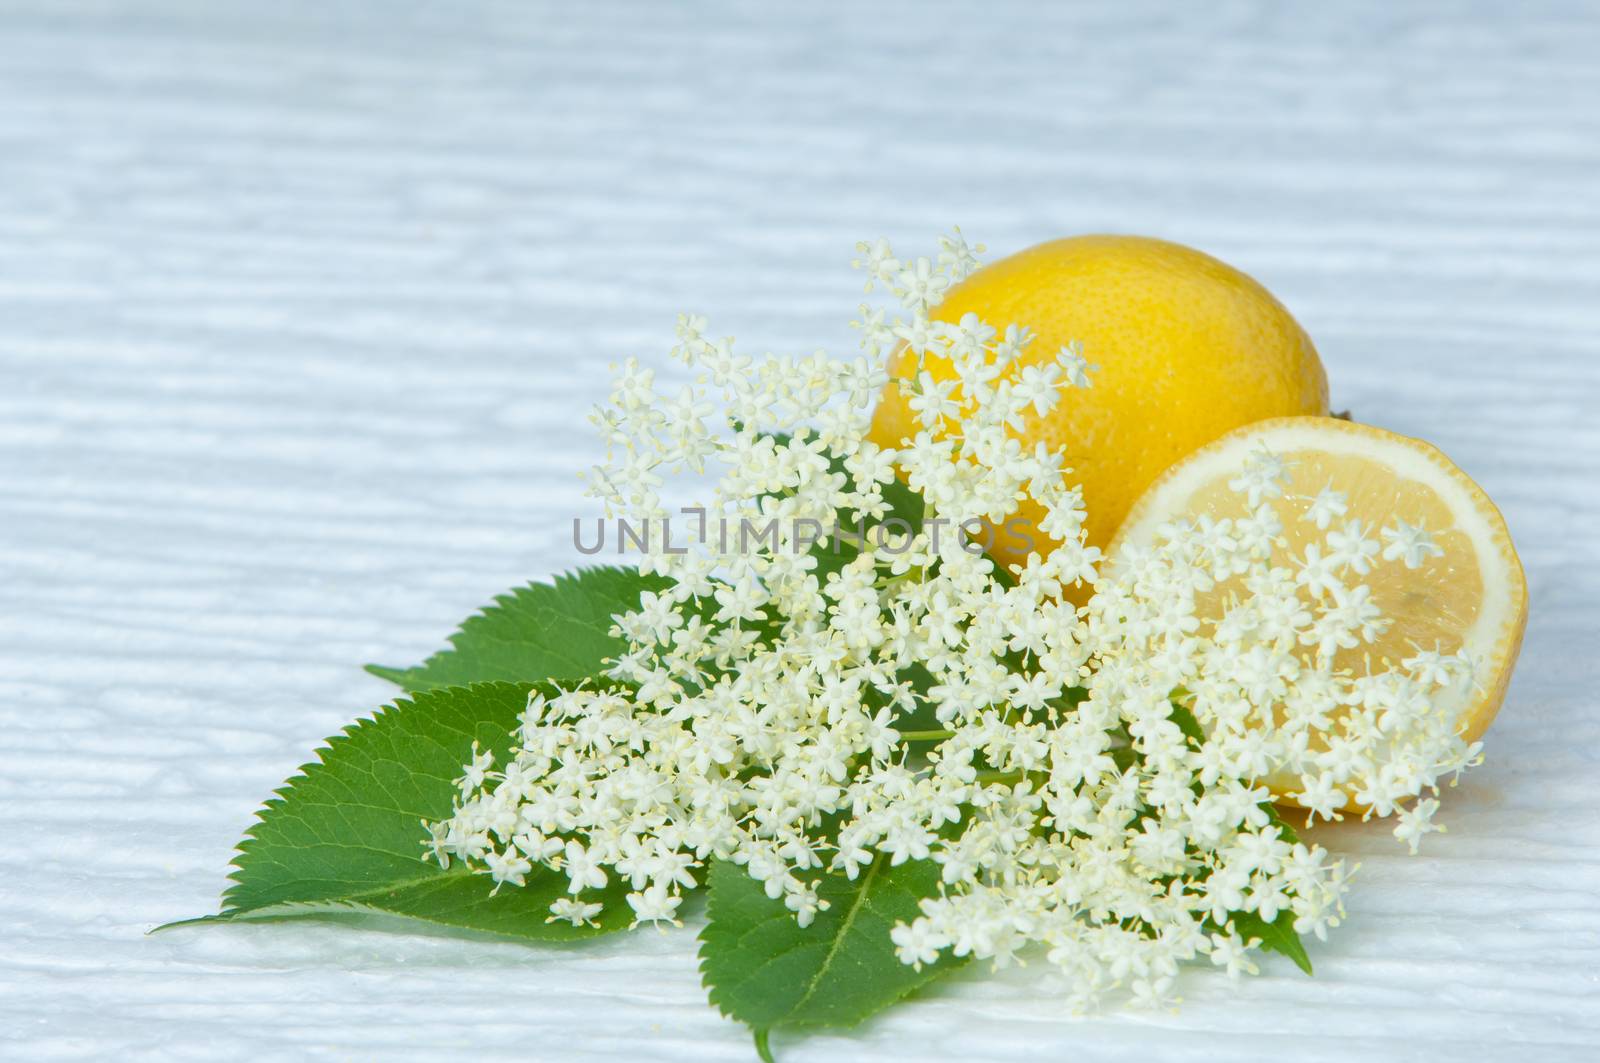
(1186, 347)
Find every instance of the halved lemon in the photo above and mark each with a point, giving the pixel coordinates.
(1466, 592)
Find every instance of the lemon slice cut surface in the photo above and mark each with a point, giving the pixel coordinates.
(1466, 591)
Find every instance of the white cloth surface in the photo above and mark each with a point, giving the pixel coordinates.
(302, 307)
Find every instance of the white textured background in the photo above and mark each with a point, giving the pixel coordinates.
(302, 305)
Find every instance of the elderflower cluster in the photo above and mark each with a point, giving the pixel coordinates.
(1093, 781)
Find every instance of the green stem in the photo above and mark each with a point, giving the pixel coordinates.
(927, 736)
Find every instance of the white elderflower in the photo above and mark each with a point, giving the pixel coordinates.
(655, 905)
(824, 684)
(1262, 478)
(1410, 543)
(956, 257)
(1076, 367)
(578, 913)
(1327, 506)
(877, 262)
(507, 866)
(1417, 821)
(1038, 386)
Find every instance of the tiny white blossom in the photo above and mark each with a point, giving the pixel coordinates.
(1410, 543)
(1326, 507)
(1262, 478)
(654, 905)
(1416, 822)
(915, 944)
(508, 866)
(574, 911)
(1076, 367)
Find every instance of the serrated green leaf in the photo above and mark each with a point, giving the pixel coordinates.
(541, 631)
(766, 971)
(1278, 935)
(346, 834)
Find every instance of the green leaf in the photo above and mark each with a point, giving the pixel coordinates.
(1125, 757)
(766, 971)
(541, 631)
(832, 553)
(1278, 935)
(1286, 829)
(346, 835)
(1188, 725)
(904, 504)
